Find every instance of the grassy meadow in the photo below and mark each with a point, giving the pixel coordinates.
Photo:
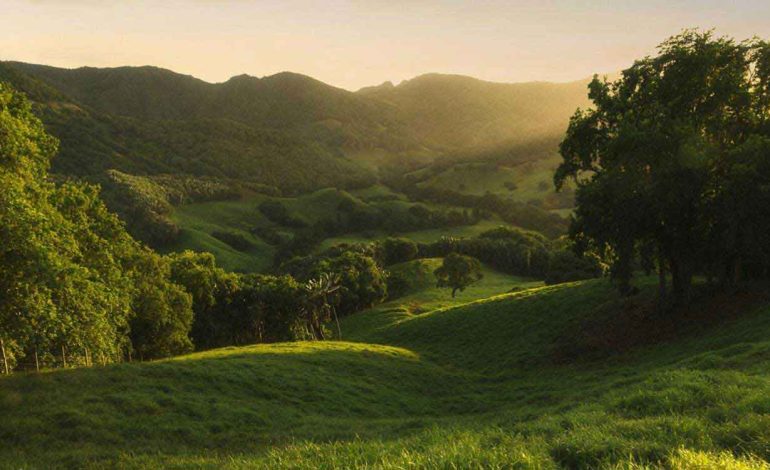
(471, 382)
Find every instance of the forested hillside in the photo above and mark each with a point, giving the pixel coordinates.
(456, 113)
(93, 141)
(286, 130)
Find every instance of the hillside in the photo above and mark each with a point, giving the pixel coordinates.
(329, 217)
(286, 130)
(476, 384)
(461, 113)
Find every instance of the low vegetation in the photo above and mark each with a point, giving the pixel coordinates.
(415, 390)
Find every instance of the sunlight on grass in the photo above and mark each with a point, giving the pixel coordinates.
(469, 385)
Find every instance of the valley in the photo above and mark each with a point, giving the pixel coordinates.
(447, 272)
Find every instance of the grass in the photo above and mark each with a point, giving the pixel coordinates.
(480, 178)
(472, 384)
(420, 236)
(199, 221)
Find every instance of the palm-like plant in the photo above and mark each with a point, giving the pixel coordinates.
(317, 307)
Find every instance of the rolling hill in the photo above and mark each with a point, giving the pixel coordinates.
(473, 384)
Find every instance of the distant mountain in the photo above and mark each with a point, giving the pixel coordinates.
(286, 130)
(454, 112)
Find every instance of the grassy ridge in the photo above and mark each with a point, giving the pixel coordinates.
(470, 385)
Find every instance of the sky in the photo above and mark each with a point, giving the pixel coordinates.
(351, 44)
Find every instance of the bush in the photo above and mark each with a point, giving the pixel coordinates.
(276, 212)
(566, 266)
(235, 240)
(397, 250)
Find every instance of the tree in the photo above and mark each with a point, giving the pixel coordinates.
(319, 303)
(162, 311)
(362, 281)
(659, 161)
(211, 289)
(458, 272)
(263, 309)
(72, 281)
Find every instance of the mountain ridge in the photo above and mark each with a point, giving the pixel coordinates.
(150, 120)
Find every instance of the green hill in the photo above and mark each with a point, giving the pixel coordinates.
(463, 113)
(106, 130)
(478, 384)
(285, 130)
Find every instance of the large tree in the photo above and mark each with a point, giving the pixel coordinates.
(672, 161)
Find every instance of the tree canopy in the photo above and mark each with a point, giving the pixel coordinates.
(458, 272)
(72, 281)
(672, 162)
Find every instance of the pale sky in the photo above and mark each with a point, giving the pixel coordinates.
(352, 44)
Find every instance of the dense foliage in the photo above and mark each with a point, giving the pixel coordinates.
(672, 163)
(73, 282)
(362, 281)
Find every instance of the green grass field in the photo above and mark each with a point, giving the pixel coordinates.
(462, 383)
(199, 221)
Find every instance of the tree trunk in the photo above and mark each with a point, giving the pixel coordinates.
(681, 281)
(337, 319)
(661, 278)
(5, 358)
(63, 357)
(454, 291)
(37, 362)
(318, 331)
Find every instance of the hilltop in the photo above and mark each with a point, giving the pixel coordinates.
(469, 383)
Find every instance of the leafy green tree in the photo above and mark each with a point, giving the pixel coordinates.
(72, 281)
(458, 272)
(672, 156)
(211, 288)
(363, 283)
(59, 283)
(263, 309)
(162, 311)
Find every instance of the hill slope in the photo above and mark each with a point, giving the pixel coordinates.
(469, 386)
(286, 130)
(465, 114)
